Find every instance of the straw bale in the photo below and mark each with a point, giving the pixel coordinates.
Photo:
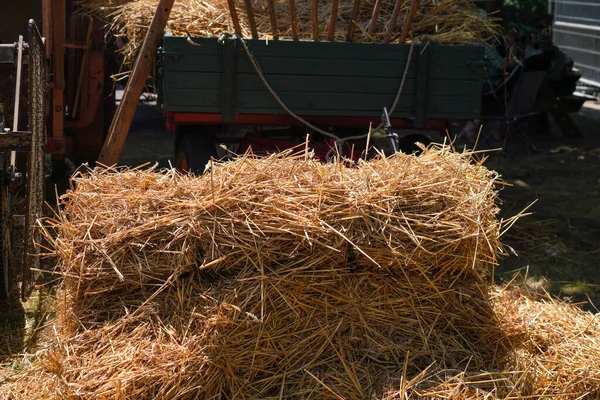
(443, 21)
(282, 277)
(432, 215)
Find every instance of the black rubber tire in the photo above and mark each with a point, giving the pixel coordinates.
(193, 152)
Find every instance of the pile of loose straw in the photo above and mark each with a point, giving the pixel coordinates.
(443, 21)
(285, 278)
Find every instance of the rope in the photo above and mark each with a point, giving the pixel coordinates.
(337, 139)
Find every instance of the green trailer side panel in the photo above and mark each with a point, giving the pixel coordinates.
(319, 78)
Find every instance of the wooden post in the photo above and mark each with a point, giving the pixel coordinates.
(234, 17)
(392, 25)
(353, 18)
(293, 19)
(273, 17)
(251, 19)
(315, 19)
(332, 18)
(409, 21)
(374, 18)
(122, 121)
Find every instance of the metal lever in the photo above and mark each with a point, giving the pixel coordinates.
(392, 136)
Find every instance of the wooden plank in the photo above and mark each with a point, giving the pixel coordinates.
(111, 150)
(294, 100)
(422, 88)
(228, 82)
(195, 101)
(189, 100)
(324, 50)
(454, 72)
(279, 82)
(177, 47)
(453, 105)
(278, 65)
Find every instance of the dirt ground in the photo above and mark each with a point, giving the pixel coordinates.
(558, 245)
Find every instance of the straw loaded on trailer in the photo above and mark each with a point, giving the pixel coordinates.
(267, 93)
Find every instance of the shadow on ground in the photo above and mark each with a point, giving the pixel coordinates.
(558, 245)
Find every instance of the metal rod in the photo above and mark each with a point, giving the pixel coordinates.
(332, 18)
(315, 19)
(374, 18)
(293, 19)
(251, 19)
(15, 126)
(390, 29)
(273, 17)
(353, 18)
(234, 17)
(409, 21)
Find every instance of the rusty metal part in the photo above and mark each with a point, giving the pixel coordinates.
(35, 164)
(16, 141)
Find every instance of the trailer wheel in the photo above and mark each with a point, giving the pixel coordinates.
(193, 152)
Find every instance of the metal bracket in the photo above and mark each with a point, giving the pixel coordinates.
(387, 125)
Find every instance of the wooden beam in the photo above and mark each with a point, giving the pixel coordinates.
(234, 17)
(411, 16)
(273, 18)
(353, 18)
(392, 25)
(332, 18)
(315, 19)
(374, 18)
(251, 19)
(111, 150)
(293, 19)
